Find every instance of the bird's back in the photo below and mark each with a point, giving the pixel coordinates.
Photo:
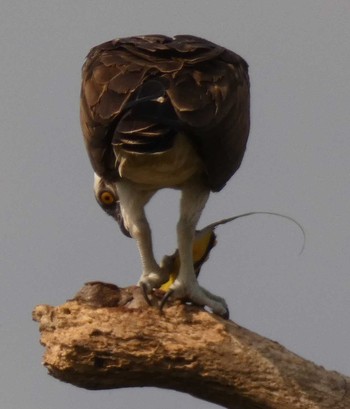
(183, 99)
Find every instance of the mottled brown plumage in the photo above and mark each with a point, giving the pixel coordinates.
(162, 112)
(206, 92)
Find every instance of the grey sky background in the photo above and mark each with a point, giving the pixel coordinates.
(54, 237)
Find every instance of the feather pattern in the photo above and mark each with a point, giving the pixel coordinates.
(139, 92)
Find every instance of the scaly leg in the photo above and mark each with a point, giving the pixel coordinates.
(193, 200)
(132, 203)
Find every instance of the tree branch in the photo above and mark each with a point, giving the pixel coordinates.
(107, 337)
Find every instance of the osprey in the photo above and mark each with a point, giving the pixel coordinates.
(160, 112)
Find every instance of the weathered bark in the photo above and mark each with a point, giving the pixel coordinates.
(110, 338)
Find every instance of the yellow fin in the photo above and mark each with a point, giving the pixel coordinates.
(204, 241)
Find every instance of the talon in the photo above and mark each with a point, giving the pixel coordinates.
(165, 299)
(226, 314)
(145, 294)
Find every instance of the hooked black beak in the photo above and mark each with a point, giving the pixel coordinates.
(117, 216)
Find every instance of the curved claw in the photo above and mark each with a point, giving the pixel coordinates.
(226, 315)
(165, 298)
(145, 294)
(169, 293)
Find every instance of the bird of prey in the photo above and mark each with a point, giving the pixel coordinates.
(164, 112)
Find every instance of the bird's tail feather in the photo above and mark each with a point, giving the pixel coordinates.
(149, 123)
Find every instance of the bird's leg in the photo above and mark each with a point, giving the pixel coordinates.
(132, 203)
(193, 200)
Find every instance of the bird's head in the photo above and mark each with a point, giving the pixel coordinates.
(107, 197)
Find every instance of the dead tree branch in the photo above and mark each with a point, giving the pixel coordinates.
(110, 338)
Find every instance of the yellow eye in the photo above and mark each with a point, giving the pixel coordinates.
(107, 198)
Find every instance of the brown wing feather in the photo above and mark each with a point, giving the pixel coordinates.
(207, 87)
